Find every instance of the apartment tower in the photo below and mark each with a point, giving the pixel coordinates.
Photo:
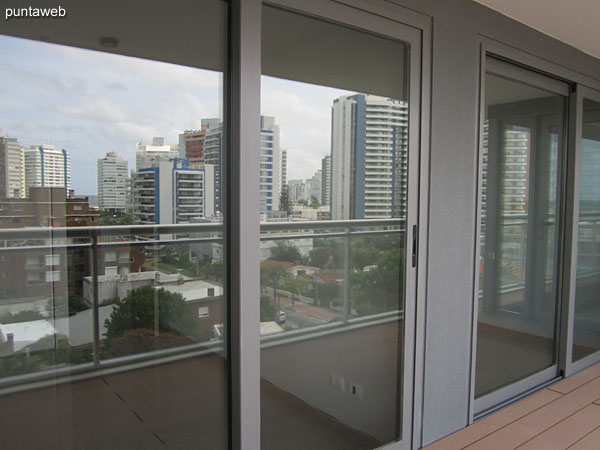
(112, 182)
(368, 157)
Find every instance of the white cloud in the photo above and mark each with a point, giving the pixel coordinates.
(303, 113)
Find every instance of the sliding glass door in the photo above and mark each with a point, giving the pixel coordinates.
(113, 286)
(517, 302)
(586, 321)
(339, 166)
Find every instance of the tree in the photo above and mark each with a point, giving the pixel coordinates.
(117, 217)
(293, 286)
(272, 274)
(137, 311)
(22, 316)
(314, 202)
(378, 290)
(285, 203)
(267, 310)
(284, 251)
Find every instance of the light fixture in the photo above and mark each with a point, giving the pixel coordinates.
(109, 42)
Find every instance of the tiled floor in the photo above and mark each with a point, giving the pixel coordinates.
(564, 415)
(175, 406)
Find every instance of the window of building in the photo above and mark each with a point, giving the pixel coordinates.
(203, 312)
(53, 276)
(52, 260)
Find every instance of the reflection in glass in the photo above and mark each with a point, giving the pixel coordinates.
(89, 277)
(334, 146)
(523, 134)
(586, 335)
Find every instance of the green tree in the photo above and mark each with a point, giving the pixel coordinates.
(137, 310)
(284, 251)
(292, 285)
(314, 202)
(117, 217)
(273, 274)
(21, 316)
(378, 290)
(267, 309)
(285, 203)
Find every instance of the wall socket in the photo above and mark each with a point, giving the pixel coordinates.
(354, 389)
(337, 381)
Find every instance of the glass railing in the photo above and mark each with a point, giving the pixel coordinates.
(96, 309)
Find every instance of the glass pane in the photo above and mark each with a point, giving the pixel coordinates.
(523, 135)
(111, 238)
(586, 334)
(334, 146)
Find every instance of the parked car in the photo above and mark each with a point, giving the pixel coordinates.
(281, 317)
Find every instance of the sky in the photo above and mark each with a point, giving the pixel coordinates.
(91, 103)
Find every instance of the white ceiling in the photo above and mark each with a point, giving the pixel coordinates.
(575, 22)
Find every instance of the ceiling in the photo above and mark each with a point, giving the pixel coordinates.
(575, 22)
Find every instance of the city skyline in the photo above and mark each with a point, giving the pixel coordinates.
(91, 103)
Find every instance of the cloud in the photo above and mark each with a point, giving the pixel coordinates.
(99, 110)
(37, 78)
(303, 113)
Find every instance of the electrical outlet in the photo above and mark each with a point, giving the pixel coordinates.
(355, 389)
(337, 381)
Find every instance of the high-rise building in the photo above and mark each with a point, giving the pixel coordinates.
(12, 168)
(314, 186)
(213, 140)
(151, 155)
(112, 182)
(171, 192)
(191, 142)
(273, 164)
(283, 167)
(326, 180)
(368, 157)
(45, 166)
(298, 190)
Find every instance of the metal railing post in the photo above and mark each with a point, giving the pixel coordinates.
(95, 312)
(346, 286)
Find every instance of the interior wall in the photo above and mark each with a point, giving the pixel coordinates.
(366, 356)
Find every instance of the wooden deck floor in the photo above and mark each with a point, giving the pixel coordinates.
(563, 415)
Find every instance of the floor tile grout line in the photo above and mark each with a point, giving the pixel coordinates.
(583, 437)
(553, 425)
(513, 421)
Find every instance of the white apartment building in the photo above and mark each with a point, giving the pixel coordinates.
(315, 185)
(368, 157)
(273, 165)
(326, 180)
(112, 181)
(273, 162)
(45, 166)
(12, 168)
(172, 193)
(151, 155)
(298, 190)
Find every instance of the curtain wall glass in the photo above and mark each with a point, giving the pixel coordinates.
(521, 186)
(334, 172)
(112, 201)
(586, 334)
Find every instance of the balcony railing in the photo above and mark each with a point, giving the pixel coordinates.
(339, 238)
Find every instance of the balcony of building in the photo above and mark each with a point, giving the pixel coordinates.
(563, 415)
